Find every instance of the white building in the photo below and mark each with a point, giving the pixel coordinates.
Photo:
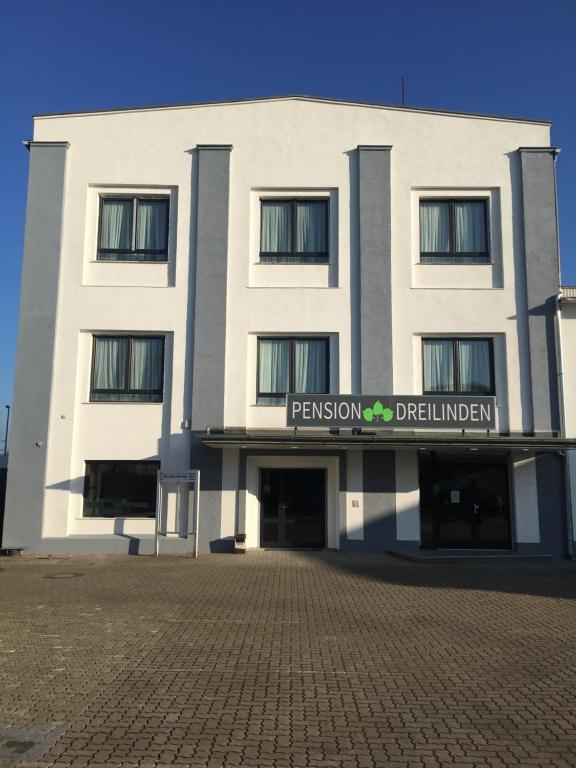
(188, 266)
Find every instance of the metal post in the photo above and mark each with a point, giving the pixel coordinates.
(158, 511)
(190, 511)
(6, 434)
(196, 511)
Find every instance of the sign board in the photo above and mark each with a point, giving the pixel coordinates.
(391, 411)
(179, 477)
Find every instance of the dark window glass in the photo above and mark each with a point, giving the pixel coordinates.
(127, 368)
(291, 365)
(453, 232)
(294, 231)
(133, 229)
(120, 488)
(464, 366)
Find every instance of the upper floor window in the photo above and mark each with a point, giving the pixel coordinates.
(454, 232)
(291, 365)
(127, 368)
(133, 229)
(294, 231)
(461, 366)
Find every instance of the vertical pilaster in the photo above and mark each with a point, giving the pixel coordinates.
(542, 279)
(379, 487)
(209, 353)
(374, 197)
(36, 335)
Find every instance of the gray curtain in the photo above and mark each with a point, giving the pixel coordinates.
(115, 225)
(474, 364)
(109, 365)
(438, 365)
(276, 227)
(146, 364)
(151, 226)
(434, 227)
(311, 227)
(274, 370)
(470, 228)
(310, 361)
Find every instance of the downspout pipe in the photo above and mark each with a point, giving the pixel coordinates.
(565, 454)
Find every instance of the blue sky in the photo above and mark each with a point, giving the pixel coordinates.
(512, 57)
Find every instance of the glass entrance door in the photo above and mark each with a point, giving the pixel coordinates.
(466, 503)
(292, 507)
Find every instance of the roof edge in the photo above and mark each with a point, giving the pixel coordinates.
(28, 143)
(295, 97)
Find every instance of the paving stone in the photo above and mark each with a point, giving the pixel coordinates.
(288, 660)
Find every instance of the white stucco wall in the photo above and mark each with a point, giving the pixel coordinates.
(279, 147)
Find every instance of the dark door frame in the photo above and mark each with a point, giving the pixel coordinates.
(505, 462)
(282, 543)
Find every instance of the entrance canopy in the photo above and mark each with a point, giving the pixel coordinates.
(382, 439)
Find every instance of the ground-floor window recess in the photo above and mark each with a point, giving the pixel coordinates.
(464, 502)
(292, 508)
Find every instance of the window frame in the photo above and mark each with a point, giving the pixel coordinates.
(304, 257)
(456, 366)
(155, 463)
(127, 390)
(140, 252)
(453, 256)
(292, 371)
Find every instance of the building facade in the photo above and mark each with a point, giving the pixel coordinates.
(189, 268)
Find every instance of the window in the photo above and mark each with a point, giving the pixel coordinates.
(127, 368)
(454, 232)
(120, 488)
(462, 366)
(133, 229)
(291, 365)
(294, 231)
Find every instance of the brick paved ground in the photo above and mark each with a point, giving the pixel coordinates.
(286, 659)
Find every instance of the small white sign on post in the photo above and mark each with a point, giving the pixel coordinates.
(190, 478)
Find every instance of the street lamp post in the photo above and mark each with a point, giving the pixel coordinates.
(6, 433)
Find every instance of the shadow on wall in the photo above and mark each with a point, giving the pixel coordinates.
(172, 445)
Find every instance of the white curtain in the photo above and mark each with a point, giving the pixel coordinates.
(438, 365)
(274, 370)
(115, 225)
(109, 365)
(146, 364)
(311, 227)
(151, 226)
(474, 363)
(310, 361)
(276, 227)
(470, 227)
(434, 227)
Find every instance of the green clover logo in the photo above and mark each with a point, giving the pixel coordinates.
(379, 412)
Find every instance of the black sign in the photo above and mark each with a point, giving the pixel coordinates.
(391, 411)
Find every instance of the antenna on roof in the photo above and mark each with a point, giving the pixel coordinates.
(402, 88)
